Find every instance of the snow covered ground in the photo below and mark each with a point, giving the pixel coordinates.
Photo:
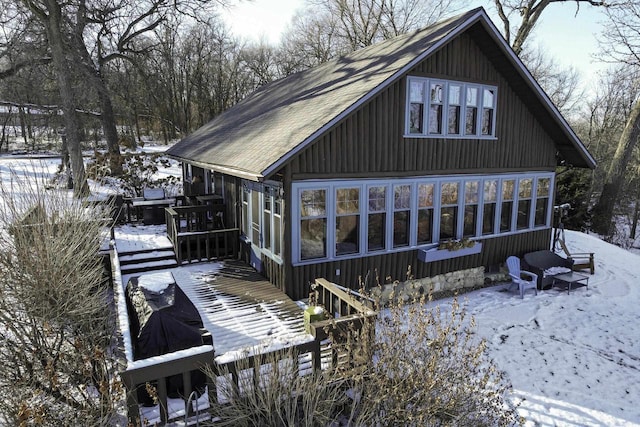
(573, 360)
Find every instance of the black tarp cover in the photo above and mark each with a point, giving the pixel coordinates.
(163, 320)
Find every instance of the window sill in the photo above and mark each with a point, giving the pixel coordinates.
(431, 255)
(464, 137)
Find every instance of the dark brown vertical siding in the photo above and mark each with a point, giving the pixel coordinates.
(370, 141)
(394, 266)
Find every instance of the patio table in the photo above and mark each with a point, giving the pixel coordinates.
(571, 280)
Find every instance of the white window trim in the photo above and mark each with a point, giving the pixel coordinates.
(332, 185)
(445, 109)
(275, 192)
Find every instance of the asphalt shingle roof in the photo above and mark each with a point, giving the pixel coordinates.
(255, 136)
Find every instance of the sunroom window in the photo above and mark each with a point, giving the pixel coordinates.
(525, 189)
(377, 218)
(490, 201)
(347, 220)
(506, 209)
(470, 208)
(338, 219)
(542, 201)
(313, 224)
(449, 210)
(401, 215)
(425, 213)
(453, 109)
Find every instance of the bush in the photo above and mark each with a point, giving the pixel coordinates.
(139, 171)
(56, 328)
(428, 369)
(431, 369)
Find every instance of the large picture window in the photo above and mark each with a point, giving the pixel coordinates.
(443, 101)
(339, 219)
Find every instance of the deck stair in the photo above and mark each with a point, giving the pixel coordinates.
(147, 260)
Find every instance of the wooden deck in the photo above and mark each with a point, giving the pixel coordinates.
(242, 310)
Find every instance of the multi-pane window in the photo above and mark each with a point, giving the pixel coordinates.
(453, 112)
(436, 105)
(416, 107)
(266, 222)
(525, 189)
(488, 109)
(277, 225)
(542, 201)
(377, 218)
(401, 214)
(425, 213)
(313, 224)
(471, 111)
(449, 210)
(347, 220)
(506, 208)
(471, 189)
(453, 109)
(489, 204)
(255, 218)
(261, 210)
(338, 219)
(246, 225)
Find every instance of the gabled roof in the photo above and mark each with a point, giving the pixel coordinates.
(258, 135)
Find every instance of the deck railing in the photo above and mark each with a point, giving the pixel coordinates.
(346, 337)
(332, 347)
(197, 233)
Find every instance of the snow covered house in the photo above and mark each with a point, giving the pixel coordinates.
(369, 162)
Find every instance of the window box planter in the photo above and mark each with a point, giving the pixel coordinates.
(435, 254)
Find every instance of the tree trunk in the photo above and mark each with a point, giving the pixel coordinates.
(53, 22)
(109, 127)
(603, 210)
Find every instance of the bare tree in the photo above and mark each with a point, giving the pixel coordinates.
(529, 12)
(622, 43)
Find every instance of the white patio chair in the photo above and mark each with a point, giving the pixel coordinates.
(523, 279)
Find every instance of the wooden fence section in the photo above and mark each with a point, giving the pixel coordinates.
(337, 345)
(197, 233)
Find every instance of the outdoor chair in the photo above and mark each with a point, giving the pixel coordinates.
(518, 277)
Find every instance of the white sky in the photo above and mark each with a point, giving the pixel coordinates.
(571, 39)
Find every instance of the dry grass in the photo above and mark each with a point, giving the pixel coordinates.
(55, 324)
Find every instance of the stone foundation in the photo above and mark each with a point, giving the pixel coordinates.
(440, 285)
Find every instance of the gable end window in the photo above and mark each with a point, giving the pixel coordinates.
(450, 109)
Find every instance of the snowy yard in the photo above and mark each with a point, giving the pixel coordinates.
(573, 360)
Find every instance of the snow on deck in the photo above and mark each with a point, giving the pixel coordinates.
(137, 238)
(244, 313)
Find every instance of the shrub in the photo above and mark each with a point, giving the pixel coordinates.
(138, 171)
(428, 369)
(55, 323)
